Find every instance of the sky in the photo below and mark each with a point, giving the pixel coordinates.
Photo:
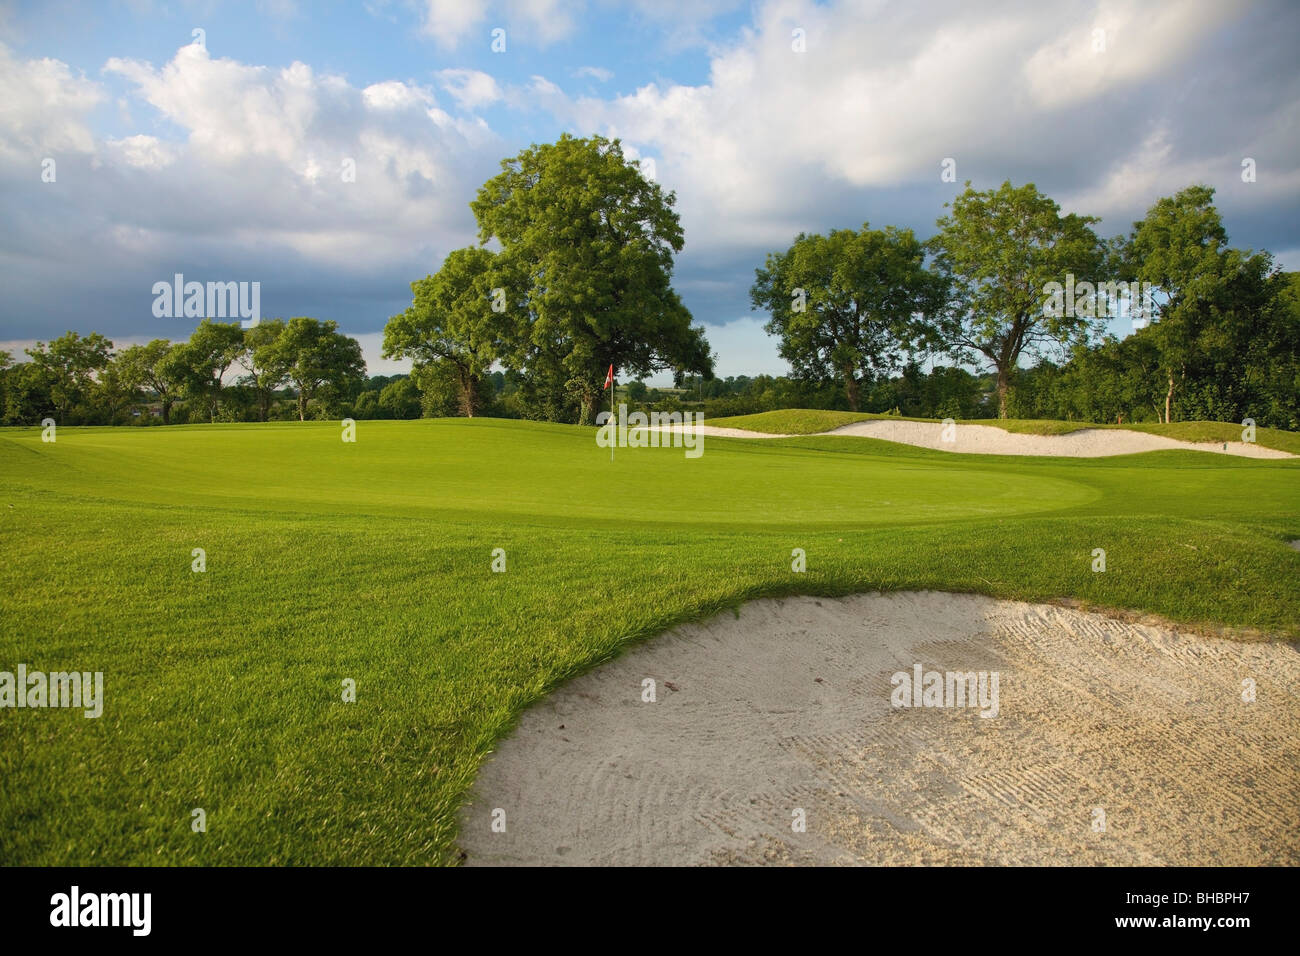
(223, 154)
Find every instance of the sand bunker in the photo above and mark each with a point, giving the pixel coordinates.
(987, 440)
(1113, 743)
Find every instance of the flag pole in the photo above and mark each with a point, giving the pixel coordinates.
(609, 384)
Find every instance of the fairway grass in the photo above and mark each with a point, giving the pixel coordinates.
(371, 561)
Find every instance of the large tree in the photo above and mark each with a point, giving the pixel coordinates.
(26, 395)
(451, 323)
(266, 365)
(400, 398)
(319, 359)
(1000, 248)
(585, 265)
(843, 305)
(203, 361)
(1181, 248)
(154, 367)
(1273, 363)
(67, 367)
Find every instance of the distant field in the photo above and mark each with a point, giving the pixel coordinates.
(371, 561)
(805, 421)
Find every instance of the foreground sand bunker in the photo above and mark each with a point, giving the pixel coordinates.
(987, 440)
(788, 708)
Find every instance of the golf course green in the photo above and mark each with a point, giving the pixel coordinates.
(372, 561)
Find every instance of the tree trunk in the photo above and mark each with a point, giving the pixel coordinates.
(1004, 383)
(852, 390)
(302, 405)
(468, 393)
(167, 411)
(587, 415)
(1169, 396)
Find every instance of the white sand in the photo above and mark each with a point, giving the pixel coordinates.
(987, 440)
(788, 707)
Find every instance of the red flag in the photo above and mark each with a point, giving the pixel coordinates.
(609, 379)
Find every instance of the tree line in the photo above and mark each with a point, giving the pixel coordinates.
(82, 380)
(1007, 278)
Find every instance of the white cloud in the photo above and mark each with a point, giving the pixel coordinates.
(395, 95)
(1154, 169)
(333, 196)
(1135, 180)
(145, 152)
(339, 174)
(230, 109)
(1114, 47)
(598, 73)
(776, 140)
(470, 88)
(44, 106)
(536, 23)
(449, 22)
(543, 22)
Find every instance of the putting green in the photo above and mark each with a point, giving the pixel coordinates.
(514, 468)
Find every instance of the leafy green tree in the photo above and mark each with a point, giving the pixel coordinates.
(843, 305)
(1000, 248)
(451, 322)
(438, 388)
(1272, 364)
(239, 403)
(153, 367)
(367, 406)
(203, 361)
(265, 365)
(67, 368)
(1101, 383)
(1234, 343)
(319, 360)
(586, 264)
(400, 399)
(26, 394)
(1181, 248)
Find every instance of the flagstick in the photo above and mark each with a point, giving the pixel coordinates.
(612, 389)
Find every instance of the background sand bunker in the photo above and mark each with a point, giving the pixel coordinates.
(988, 440)
(788, 707)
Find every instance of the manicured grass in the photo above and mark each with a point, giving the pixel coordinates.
(806, 421)
(371, 561)
(797, 421)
